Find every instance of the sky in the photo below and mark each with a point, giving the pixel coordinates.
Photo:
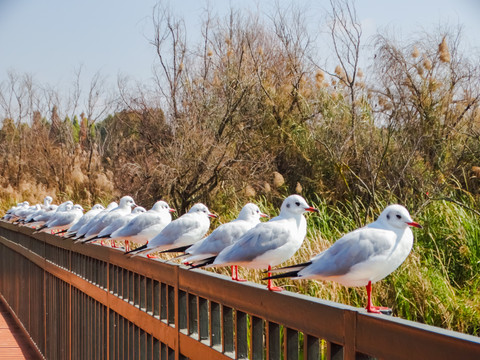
(52, 39)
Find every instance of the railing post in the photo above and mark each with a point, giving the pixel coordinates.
(350, 331)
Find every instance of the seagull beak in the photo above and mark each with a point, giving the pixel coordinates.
(212, 215)
(264, 215)
(311, 209)
(413, 223)
(171, 210)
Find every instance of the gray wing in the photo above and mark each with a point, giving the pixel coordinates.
(255, 242)
(353, 248)
(174, 230)
(138, 224)
(221, 237)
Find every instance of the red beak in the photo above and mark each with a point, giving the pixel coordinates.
(264, 215)
(213, 215)
(172, 210)
(413, 223)
(312, 209)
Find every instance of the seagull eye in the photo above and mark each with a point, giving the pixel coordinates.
(297, 203)
(398, 216)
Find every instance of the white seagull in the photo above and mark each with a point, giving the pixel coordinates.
(186, 230)
(272, 242)
(118, 223)
(145, 226)
(95, 210)
(363, 256)
(124, 208)
(84, 229)
(47, 201)
(205, 251)
(63, 219)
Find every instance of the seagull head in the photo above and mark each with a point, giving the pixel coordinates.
(127, 201)
(161, 206)
(98, 207)
(199, 208)
(397, 216)
(139, 210)
(295, 204)
(251, 212)
(77, 207)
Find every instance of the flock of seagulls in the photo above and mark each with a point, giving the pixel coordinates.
(359, 258)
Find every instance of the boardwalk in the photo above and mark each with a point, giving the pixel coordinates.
(13, 343)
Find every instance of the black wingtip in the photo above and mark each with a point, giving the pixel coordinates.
(205, 262)
(281, 276)
(175, 250)
(135, 250)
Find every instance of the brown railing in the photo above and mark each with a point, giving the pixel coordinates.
(91, 302)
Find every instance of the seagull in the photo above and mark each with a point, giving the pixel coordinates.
(204, 251)
(272, 242)
(84, 229)
(363, 256)
(186, 230)
(117, 224)
(65, 206)
(63, 219)
(43, 217)
(47, 201)
(24, 213)
(124, 208)
(145, 226)
(95, 210)
(12, 213)
(11, 210)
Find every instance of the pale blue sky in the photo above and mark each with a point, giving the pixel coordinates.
(51, 38)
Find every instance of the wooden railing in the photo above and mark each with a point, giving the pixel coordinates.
(92, 302)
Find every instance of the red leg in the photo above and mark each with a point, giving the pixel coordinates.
(127, 245)
(235, 274)
(370, 307)
(269, 286)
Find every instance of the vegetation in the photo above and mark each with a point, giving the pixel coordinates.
(253, 113)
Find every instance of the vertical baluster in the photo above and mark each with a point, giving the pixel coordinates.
(227, 324)
(256, 338)
(290, 337)
(111, 335)
(192, 315)
(171, 304)
(143, 285)
(202, 319)
(215, 326)
(311, 347)
(149, 295)
(273, 341)
(131, 289)
(182, 310)
(156, 349)
(162, 311)
(334, 351)
(241, 335)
